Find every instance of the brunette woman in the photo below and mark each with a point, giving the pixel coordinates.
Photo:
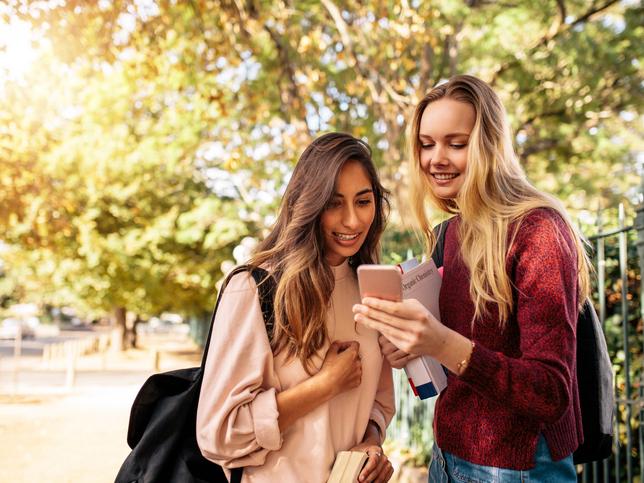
(283, 410)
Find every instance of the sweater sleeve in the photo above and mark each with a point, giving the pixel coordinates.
(384, 405)
(537, 383)
(237, 417)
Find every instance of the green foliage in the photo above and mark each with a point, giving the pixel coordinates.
(147, 138)
(115, 212)
(400, 245)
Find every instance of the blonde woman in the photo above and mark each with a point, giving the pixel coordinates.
(283, 410)
(515, 273)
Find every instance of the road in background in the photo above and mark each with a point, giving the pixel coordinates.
(51, 433)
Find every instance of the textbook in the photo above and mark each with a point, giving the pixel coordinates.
(347, 466)
(422, 282)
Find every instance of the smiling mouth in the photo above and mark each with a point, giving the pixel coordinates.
(346, 236)
(444, 176)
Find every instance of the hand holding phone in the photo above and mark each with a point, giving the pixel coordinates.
(380, 281)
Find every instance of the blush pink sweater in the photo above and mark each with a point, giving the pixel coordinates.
(237, 417)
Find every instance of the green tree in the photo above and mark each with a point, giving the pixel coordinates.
(114, 214)
(154, 135)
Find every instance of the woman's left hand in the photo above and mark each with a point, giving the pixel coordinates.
(378, 468)
(407, 324)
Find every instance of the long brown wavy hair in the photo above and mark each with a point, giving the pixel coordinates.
(294, 249)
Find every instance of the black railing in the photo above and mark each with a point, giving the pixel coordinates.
(621, 465)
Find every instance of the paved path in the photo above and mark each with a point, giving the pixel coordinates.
(51, 434)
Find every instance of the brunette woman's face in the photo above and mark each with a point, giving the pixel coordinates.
(443, 135)
(346, 220)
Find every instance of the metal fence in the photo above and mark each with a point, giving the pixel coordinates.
(627, 460)
(411, 427)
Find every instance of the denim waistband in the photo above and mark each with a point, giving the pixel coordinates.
(445, 466)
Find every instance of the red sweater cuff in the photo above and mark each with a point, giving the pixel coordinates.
(483, 364)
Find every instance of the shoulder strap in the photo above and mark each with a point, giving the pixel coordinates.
(439, 231)
(236, 475)
(266, 289)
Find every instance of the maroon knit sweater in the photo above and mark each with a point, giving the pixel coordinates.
(521, 381)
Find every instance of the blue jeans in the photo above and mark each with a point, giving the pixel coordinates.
(446, 468)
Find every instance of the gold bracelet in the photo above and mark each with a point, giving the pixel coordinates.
(461, 366)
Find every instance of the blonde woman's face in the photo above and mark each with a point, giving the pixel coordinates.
(348, 216)
(444, 134)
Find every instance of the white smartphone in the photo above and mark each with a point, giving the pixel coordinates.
(381, 281)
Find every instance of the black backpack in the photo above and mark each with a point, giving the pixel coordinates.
(594, 376)
(162, 428)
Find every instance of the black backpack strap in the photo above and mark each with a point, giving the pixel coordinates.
(236, 475)
(439, 250)
(266, 289)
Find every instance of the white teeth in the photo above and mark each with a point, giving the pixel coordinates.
(344, 237)
(444, 176)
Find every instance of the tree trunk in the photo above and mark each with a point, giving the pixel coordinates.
(119, 322)
(134, 339)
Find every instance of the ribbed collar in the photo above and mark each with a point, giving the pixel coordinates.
(341, 271)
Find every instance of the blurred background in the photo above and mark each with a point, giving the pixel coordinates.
(145, 146)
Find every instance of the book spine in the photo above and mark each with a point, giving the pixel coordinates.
(437, 373)
(420, 379)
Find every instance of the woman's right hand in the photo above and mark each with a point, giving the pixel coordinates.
(342, 368)
(397, 358)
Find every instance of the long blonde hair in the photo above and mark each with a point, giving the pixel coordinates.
(294, 249)
(495, 194)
